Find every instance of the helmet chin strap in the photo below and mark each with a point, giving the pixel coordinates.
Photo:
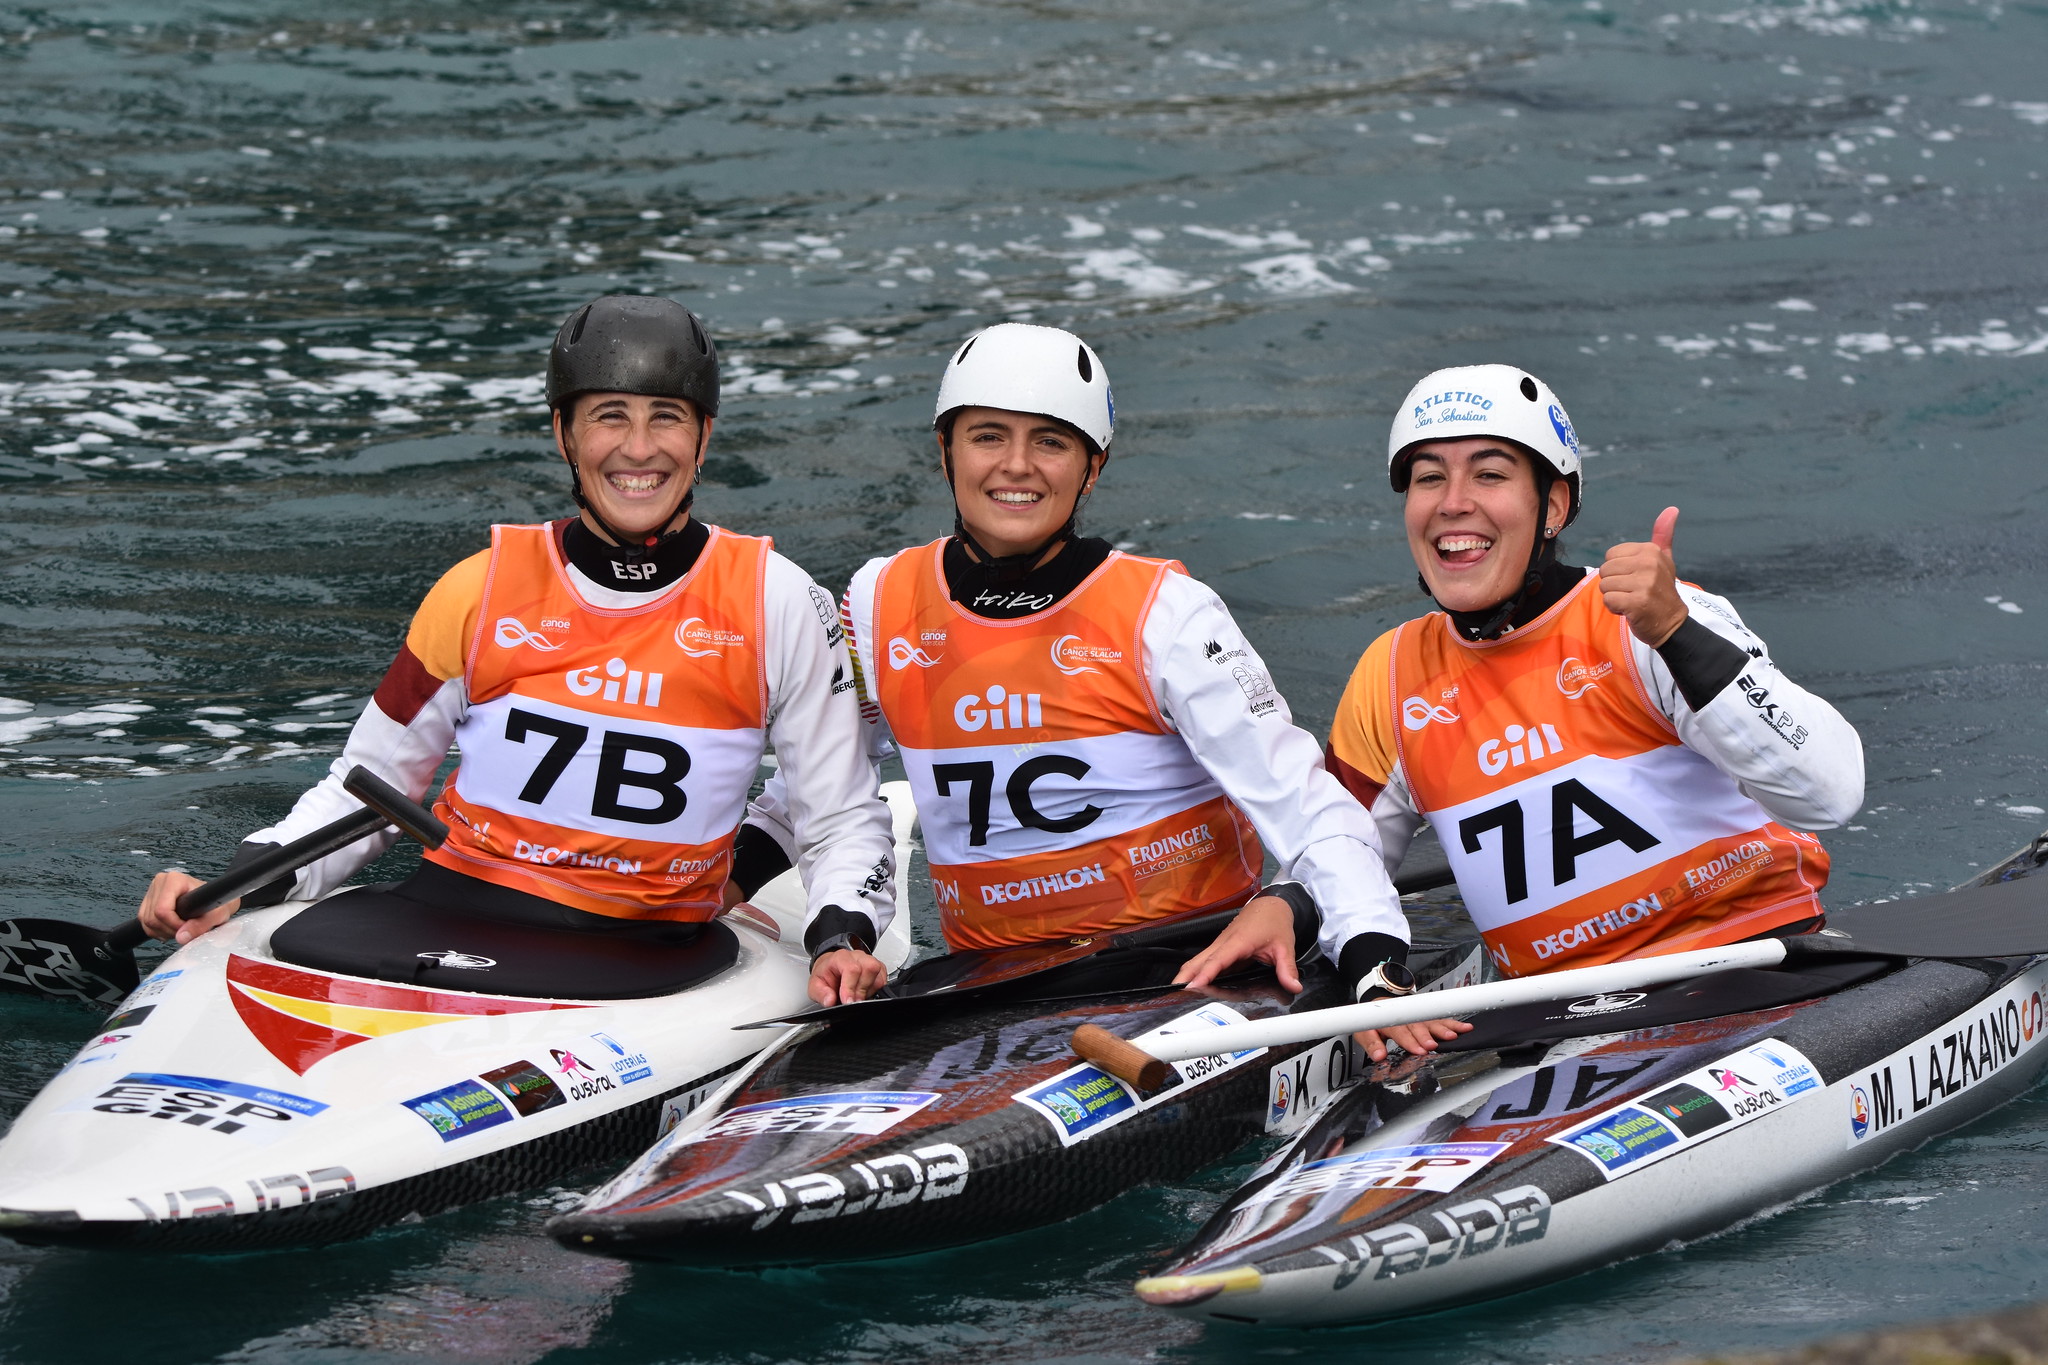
(637, 547)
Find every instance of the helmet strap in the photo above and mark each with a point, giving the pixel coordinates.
(1006, 569)
(637, 547)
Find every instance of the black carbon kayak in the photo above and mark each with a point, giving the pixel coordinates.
(1503, 1166)
(871, 1141)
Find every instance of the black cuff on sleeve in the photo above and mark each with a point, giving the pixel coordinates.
(1701, 662)
(1365, 952)
(1308, 921)
(836, 928)
(756, 860)
(270, 893)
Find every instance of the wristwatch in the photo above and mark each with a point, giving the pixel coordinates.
(839, 941)
(1389, 978)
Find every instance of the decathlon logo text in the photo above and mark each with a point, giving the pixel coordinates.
(1072, 880)
(1416, 714)
(639, 689)
(1023, 710)
(902, 654)
(1517, 746)
(548, 856)
(511, 634)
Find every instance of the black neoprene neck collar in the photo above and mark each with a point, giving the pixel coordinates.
(1543, 589)
(636, 568)
(987, 591)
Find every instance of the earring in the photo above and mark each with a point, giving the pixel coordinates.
(1550, 533)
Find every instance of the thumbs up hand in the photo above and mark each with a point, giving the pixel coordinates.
(1639, 581)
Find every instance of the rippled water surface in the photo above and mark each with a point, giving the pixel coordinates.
(274, 295)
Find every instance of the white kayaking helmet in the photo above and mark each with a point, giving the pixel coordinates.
(1486, 400)
(1022, 368)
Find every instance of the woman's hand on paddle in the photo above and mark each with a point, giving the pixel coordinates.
(159, 912)
(1263, 930)
(1639, 581)
(1418, 1040)
(846, 975)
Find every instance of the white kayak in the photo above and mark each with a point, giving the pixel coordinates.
(238, 1100)
(1482, 1172)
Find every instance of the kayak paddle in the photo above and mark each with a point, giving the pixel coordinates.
(2004, 919)
(54, 957)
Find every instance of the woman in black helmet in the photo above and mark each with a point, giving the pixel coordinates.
(612, 680)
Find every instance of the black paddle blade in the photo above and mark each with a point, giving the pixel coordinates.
(2004, 919)
(49, 957)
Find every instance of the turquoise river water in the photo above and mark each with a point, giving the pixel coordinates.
(274, 295)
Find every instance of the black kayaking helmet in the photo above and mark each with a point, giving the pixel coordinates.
(633, 343)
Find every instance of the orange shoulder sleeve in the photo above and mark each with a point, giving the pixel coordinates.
(1362, 751)
(446, 621)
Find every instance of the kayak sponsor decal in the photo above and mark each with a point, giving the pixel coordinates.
(1298, 1087)
(676, 1108)
(1084, 1100)
(1435, 1167)
(1696, 1107)
(1472, 1228)
(260, 1195)
(129, 1018)
(528, 1087)
(226, 1107)
(855, 1111)
(153, 988)
(303, 1017)
(461, 1109)
(581, 1079)
(626, 1064)
(1606, 1004)
(1956, 1057)
(923, 1173)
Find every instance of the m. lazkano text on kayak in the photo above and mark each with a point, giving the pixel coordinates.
(1611, 759)
(612, 680)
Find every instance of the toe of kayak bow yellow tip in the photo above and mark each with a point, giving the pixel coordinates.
(1173, 1291)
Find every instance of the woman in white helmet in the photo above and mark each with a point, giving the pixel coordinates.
(1092, 742)
(1613, 763)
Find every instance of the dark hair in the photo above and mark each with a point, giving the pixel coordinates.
(944, 426)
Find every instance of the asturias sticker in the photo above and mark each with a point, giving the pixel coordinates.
(1695, 1108)
(847, 1112)
(461, 1109)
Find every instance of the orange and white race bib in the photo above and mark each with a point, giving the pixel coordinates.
(1055, 800)
(607, 754)
(1580, 829)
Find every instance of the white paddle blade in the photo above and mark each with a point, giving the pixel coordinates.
(1312, 1025)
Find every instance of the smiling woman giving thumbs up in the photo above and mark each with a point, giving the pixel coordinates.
(1612, 761)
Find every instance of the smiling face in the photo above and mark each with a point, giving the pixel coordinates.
(637, 457)
(1016, 476)
(1472, 519)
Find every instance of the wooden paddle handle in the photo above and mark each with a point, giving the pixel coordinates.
(1120, 1059)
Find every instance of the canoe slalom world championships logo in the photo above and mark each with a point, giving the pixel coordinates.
(1072, 656)
(700, 641)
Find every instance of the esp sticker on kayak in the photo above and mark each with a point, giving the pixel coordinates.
(865, 1112)
(1084, 1100)
(1701, 1105)
(227, 1107)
